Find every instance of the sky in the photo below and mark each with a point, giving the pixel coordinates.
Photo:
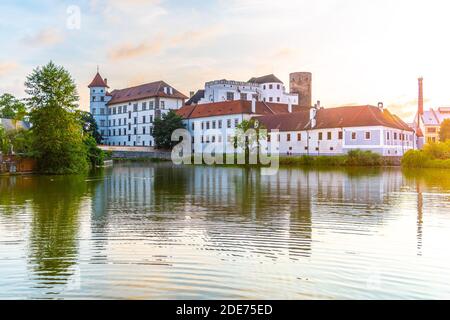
(359, 51)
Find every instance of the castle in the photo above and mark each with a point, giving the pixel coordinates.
(125, 117)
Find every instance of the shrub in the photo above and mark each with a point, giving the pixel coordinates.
(363, 158)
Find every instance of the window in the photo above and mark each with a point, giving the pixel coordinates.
(114, 110)
(228, 124)
(102, 111)
(143, 130)
(395, 135)
(143, 119)
(93, 98)
(388, 136)
(120, 122)
(270, 86)
(264, 87)
(193, 126)
(220, 124)
(129, 115)
(320, 135)
(151, 119)
(243, 96)
(367, 135)
(135, 120)
(340, 135)
(299, 137)
(102, 99)
(151, 105)
(278, 99)
(207, 125)
(236, 122)
(135, 107)
(268, 137)
(329, 135)
(114, 122)
(278, 86)
(353, 135)
(213, 124)
(288, 137)
(94, 111)
(144, 106)
(135, 131)
(230, 96)
(124, 109)
(270, 99)
(102, 123)
(431, 130)
(163, 104)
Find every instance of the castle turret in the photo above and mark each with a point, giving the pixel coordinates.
(98, 100)
(301, 84)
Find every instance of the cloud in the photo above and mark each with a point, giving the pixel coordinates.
(43, 38)
(7, 67)
(190, 38)
(129, 50)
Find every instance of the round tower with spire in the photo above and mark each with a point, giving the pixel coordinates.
(99, 98)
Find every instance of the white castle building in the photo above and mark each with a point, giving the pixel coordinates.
(125, 117)
(265, 89)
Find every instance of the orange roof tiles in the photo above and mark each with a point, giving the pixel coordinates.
(98, 82)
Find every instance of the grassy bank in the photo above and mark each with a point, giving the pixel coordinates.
(355, 158)
(433, 155)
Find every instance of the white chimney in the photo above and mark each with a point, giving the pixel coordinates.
(253, 106)
(380, 105)
(312, 117)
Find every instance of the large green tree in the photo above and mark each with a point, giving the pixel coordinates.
(249, 142)
(11, 107)
(58, 135)
(164, 127)
(444, 134)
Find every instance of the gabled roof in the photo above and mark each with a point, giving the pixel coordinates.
(144, 91)
(270, 78)
(98, 82)
(355, 116)
(200, 94)
(230, 108)
(358, 116)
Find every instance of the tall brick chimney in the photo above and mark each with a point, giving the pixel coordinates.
(420, 109)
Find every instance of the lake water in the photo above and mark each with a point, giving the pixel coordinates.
(157, 231)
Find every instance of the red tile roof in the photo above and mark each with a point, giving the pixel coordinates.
(144, 91)
(98, 82)
(356, 116)
(230, 108)
(296, 121)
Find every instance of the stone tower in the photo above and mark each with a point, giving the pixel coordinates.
(301, 83)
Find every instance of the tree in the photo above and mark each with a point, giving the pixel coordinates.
(11, 107)
(89, 125)
(249, 142)
(58, 135)
(5, 145)
(164, 127)
(444, 134)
